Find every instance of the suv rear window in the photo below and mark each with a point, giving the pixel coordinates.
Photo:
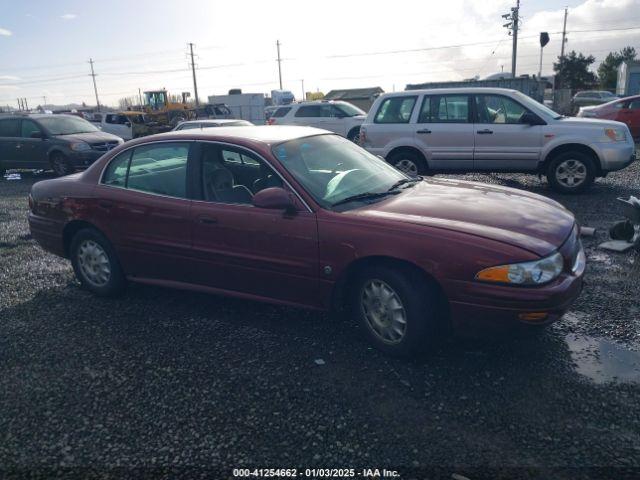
(281, 112)
(395, 110)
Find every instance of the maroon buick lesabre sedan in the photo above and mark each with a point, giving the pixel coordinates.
(299, 216)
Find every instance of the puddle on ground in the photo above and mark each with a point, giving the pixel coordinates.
(603, 361)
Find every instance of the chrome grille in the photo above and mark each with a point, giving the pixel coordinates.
(104, 146)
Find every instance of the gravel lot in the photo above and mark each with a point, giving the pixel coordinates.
(169, 381)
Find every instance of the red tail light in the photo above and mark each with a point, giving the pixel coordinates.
(271, 121)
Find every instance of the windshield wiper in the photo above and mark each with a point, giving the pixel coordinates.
(363, 196)
(404, 181)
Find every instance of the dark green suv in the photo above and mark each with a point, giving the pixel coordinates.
(62, 143)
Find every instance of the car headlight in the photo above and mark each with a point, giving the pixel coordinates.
(80, 147)
(616, 134)
(536, 272)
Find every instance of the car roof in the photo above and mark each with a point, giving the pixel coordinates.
(213, 120)
(36, 116)
(443, 91)
(269, 134)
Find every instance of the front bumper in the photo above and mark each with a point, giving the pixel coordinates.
(478, 305)
(484, 306)
(615, 155)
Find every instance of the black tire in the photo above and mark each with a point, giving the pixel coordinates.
(409, 162)
(420, 304)
(354, 135)
(116, 282)
(575, 165)
(60, 165)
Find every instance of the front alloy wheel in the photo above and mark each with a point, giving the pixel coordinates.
(571, 173)
(407, 166)
(383, 310)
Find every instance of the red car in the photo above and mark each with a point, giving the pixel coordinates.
(625, 110)
(299, 216)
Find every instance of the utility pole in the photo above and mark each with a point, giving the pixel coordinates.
(279, 61)
(95, 88)
(512, 25)
(140, 97)
(44, 99)
(303, 94)
(193, 70)
(564, 34)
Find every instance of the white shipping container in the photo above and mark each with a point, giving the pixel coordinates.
(245, 106)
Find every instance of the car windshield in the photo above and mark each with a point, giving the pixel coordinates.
(536, 106)
(332, 169)
(349, 110)
(59, 125)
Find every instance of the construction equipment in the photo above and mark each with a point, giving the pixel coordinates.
(160, 109)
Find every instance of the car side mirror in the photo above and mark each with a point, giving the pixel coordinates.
(127, 124)
(37, 135)
(529, 118)
(273, 198)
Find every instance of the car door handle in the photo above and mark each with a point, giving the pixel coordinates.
(207, 220)
(426, 130)
(486, 131)
(105, 205)
(18, 145)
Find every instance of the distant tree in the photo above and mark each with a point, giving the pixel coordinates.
(572, 71)
(127, 102)
(608, 69)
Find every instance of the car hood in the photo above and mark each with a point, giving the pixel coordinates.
(507, 215)
(588, 122)
(89, 137)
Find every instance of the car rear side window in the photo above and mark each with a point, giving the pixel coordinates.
(281, 112)
(634, 105)
(395, 110)
(116, 172)
(308, 111)
(160, 169)
(157, 168)
(10, 128)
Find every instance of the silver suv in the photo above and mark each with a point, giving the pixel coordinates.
(493, 130)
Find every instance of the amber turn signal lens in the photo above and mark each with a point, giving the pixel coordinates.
(533, 316)
(495, 274)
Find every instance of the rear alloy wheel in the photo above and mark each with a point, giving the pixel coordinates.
(397, 309)
(570, 172)
(408, 162)
(95, 263)
(60, 165)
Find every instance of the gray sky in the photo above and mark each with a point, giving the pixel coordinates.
(45, 46)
